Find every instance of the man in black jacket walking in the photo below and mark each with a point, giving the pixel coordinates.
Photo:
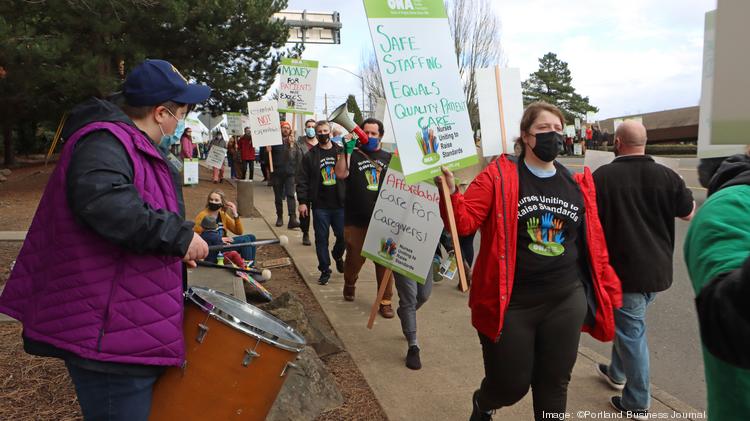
(305, 143)
(318, 186)
(638, 201)
(285, 160)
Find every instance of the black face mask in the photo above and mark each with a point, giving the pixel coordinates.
(214, 206)
(548, 145)
(323, 138)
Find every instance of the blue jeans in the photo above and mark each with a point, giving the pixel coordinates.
(323, 219)
(247, 252)
(630, 360)
(112, 397)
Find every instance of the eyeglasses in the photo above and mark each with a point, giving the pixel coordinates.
(175, 117)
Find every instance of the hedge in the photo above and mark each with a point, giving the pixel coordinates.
(669, 149)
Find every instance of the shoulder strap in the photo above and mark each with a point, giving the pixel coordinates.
(378, 167)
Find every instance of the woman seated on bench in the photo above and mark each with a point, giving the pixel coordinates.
(225, 212)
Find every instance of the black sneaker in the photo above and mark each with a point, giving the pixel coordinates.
(602, 370)
(476, 413)
(633, 414)
(324, 278)
(279, 221)
(340, 265)
(306, 239)
(412, 358)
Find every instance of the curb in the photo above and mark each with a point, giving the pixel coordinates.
(12, 235)
(301, 273)
(657, 393)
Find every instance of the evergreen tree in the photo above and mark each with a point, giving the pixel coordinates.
(351, 105)
(233, 46)
(57, 54)
(552, 83)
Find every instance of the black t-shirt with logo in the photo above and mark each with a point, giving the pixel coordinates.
(638, 200)
(363, 185)
(550, 216)
(327, 194)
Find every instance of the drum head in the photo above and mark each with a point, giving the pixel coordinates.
(246, 318)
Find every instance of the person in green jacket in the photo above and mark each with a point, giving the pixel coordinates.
(716, 252)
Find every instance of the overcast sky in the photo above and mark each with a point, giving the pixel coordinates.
(628, 57)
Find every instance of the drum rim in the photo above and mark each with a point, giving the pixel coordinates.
(232, 321)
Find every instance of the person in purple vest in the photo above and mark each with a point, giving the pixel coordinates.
(99, 280)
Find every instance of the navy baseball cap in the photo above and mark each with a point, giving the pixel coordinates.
(154, 82)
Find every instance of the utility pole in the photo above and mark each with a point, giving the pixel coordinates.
(325, 104)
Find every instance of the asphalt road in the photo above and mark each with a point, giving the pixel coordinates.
(674, 340)
(673, 337)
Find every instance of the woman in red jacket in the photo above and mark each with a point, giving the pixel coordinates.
(542, 274)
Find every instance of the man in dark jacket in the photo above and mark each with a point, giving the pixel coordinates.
(638, 201)
(718, 261)
(111, 230)
(285, 159)
(318, 186)
(306, 142)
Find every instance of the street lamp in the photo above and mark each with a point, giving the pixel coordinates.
(361, 79)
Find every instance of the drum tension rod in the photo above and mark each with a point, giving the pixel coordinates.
(287, 365)
(250, 354)
(202, 332)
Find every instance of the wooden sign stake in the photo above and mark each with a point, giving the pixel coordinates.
(454, 235)
(270, 159)
(381, 291)
(500, 108)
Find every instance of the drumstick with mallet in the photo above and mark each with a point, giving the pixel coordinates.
(265, 274)
(282, 240)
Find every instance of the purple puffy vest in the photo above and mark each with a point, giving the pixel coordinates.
(75, 290)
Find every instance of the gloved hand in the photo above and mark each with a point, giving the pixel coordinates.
(349, 146)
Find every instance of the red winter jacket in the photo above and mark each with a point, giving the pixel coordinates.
(247, 151)
(491, 203)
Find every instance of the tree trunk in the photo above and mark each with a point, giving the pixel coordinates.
(10, 156)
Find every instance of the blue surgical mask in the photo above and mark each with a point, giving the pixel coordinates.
(310, 132)
(168, 140)
(371, 145)
(179, 130)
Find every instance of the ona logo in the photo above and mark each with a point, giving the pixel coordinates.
(400, 4)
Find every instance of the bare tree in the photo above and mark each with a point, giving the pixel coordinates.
(476, 35)
(373, 83)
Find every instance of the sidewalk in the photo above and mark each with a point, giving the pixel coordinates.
(451, 355)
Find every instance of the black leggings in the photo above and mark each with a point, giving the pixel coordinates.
(538, 348)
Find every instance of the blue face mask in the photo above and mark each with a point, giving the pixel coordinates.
(168, 140)
(371, 145)
(310, 132)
